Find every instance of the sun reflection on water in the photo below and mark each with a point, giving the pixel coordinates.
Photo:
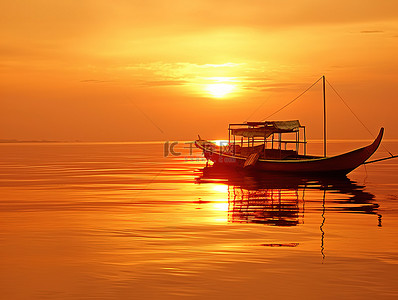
(221, 206)
(221, 188)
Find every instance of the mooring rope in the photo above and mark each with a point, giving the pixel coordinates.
(380, 159)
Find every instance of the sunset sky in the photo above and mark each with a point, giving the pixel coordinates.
(167, 70)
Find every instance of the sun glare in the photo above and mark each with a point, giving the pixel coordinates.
(221, 188)
(219, 90)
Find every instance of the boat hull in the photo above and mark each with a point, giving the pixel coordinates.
(340, 164)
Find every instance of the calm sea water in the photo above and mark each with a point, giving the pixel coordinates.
(121, 221)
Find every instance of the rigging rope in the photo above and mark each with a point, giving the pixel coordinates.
(292, 100)
(345, 103)
(341, 98)
(256, 110)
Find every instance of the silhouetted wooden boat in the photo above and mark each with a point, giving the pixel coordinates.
(286, 161)
(262, 148)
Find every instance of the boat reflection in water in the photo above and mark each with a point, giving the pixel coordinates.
(280, 200)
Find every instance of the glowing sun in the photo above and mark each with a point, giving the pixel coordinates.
(219, 90)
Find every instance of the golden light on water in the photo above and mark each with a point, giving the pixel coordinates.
(221, 206)
(221, 188)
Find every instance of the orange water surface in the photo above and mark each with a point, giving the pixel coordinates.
(121, 221)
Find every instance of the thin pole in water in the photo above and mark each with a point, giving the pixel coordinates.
(324, 117)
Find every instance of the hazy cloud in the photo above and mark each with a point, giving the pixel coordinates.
(95, 81)
(244, 75)
(371, 31)
(164, 83)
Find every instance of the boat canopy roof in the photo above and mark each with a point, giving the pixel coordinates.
(264, 129)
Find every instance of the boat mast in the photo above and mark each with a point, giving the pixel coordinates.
(324, 116)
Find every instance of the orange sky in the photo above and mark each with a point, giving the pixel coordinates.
(156, 70)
